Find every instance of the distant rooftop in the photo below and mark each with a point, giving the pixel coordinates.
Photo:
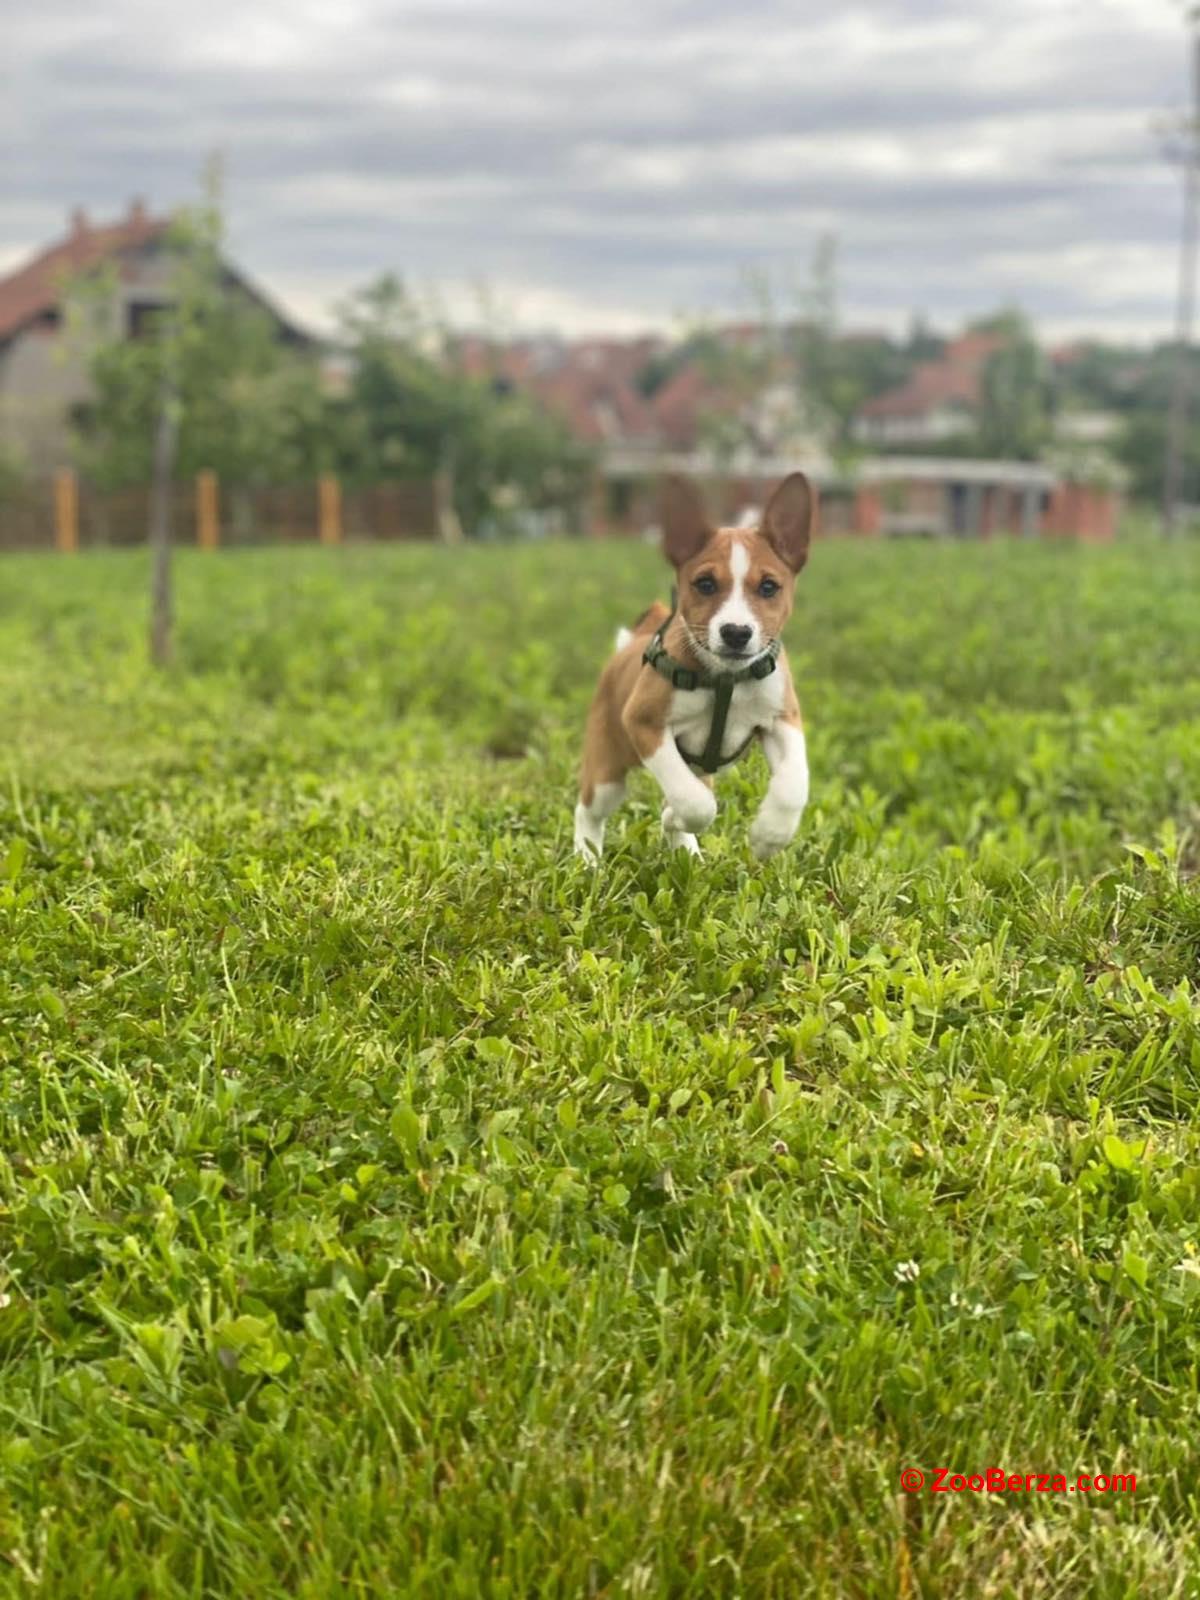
(954, 379)
(36, 288)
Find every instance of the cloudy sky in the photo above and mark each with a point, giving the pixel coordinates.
(625, 164)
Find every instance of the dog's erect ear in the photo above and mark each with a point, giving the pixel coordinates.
(685, 528)
(787, 521)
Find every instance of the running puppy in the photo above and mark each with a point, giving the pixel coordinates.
(694, 687)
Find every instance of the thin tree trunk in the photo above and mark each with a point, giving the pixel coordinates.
(1177, 420)
(162, 585)
(449, 528)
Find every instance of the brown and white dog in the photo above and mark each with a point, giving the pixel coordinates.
(734, 596)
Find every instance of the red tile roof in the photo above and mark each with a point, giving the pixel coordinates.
(591, 383)
(956, 378)
(37, 287)
(973, 349)
(681, 405)
(598, 407)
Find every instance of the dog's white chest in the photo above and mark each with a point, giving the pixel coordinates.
(755, 704)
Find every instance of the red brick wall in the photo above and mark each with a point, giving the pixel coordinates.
(868, 510)
(1077, 511)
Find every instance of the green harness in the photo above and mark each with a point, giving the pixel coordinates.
(722, 684)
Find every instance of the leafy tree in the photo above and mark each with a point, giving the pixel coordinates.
(784, 383)
(661, 367)
(1142, 448)
(837, 373)
(761, 400)
(1010, 322)
(1013, 416)
(830, 395)
(746, 374)
(410, 413)
(922, 343)
(1106, 377)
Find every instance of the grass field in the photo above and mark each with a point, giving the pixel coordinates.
(390, 1205)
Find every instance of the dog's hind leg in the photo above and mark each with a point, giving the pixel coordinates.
(606, 762)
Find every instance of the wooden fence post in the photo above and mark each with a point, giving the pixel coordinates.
(208, 519)
(329, 509)
(66, 511)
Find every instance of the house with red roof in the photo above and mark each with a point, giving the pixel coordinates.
(591, 385)
(940, 400)
(44, 385)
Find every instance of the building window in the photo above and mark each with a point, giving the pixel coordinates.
(143, 316)
(620, 499)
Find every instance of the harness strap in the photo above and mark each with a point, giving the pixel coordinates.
(711, 759)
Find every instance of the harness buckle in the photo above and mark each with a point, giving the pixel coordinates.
(763, 667)
(684, 678)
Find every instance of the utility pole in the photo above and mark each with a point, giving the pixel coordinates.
(1181, 385)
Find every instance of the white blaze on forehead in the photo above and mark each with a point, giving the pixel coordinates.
(739, 560)
(736, 609)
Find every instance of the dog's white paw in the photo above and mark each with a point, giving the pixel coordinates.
(690, 813)
(676, 838)
(770, 831)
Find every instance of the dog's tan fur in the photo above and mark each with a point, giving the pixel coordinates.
(630, 716)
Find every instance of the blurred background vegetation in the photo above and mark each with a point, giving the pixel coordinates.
(520, 426)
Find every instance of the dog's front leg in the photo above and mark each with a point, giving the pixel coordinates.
(689, 805)
(677, 836)
(787, 793)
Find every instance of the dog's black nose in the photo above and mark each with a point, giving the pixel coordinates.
(735, 635)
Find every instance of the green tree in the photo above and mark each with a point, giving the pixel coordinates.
(1141, 448)
(1014, 414)
(779, 384)
(410, 412)
(754, 403)
(830, 395)
(922, 343)
(1010, 322)
(838, 372)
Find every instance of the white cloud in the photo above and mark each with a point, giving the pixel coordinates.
(610, 166)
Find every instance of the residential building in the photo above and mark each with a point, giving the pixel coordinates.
(939, 401)
(44, 385)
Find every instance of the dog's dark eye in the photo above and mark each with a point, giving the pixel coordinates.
(767, 588)
(706, 583)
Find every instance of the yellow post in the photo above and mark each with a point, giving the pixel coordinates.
(66, 511)
(329, 509)
(208, 520)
